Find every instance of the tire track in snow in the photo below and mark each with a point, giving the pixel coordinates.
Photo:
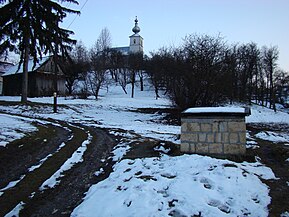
(33, 180)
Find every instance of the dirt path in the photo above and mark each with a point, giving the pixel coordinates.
(20, 155)
(33, 159)
(61, 200)
(32, 180)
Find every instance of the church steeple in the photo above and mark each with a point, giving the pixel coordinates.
(136, 28)
(136, 41)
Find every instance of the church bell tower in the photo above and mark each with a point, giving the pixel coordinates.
(136, 41)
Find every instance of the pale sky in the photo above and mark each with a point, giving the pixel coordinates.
(167, 22)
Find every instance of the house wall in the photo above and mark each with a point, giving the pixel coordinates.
(44, 84)
(213, 135)
(39, 84)
(12, 85)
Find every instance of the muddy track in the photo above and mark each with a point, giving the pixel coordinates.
(274, 156)
(61, 200)
(19, 157)
(22, 154)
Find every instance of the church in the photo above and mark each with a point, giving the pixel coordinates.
(135, 44)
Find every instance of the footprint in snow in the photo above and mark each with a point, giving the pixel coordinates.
(222, 207)
(207, 183)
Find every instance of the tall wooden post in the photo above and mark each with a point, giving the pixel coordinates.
(55, 102)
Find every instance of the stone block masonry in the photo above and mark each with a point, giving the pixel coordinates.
(214, 131)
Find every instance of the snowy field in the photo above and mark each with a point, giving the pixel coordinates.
(12, 128)
(178, 186)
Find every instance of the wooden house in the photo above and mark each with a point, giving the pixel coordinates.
(1, 83)
(41, 79)
(4, 66)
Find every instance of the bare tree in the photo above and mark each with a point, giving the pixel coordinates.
(123, 78)
(99, 62)
(75, 66)
(281, 81)
(270, 57)
(135, 65)
(104, 40)
(115, 62)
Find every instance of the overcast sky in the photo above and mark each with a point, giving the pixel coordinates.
(167, 22)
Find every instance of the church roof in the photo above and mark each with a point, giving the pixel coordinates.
(123, 50)
(135, 35)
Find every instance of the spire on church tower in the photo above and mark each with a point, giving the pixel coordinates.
(136, 28)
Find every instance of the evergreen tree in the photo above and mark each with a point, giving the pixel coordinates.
(32, 28)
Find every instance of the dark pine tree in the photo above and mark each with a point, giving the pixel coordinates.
(32, 28)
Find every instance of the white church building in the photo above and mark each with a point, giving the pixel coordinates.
(135, 42)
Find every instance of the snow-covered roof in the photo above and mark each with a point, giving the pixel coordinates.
(123, 50)
(4, 66)
(216, 110)
(13, 69)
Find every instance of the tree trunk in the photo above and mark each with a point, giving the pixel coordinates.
(132, 84)
(157, 92)
(96, 92)
(69, 87)
(123, 88)
(25, 72)
(55, 74)
(141, 81)
(132, 89)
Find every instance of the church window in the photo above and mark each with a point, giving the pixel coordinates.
(134, 41)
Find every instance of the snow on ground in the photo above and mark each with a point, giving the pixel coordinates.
(120, 150)
(11, 184)
(12, 128)
(264, 115)
(183, 185)
(16, 210)
(285, 214)
(112, 110)
(186, 185)
(272, 136)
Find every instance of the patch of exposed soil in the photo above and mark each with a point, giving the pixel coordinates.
(17, 157)
(33, 179)
(151, 148)
(171, 116)
(61, 200)
(274, 156)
